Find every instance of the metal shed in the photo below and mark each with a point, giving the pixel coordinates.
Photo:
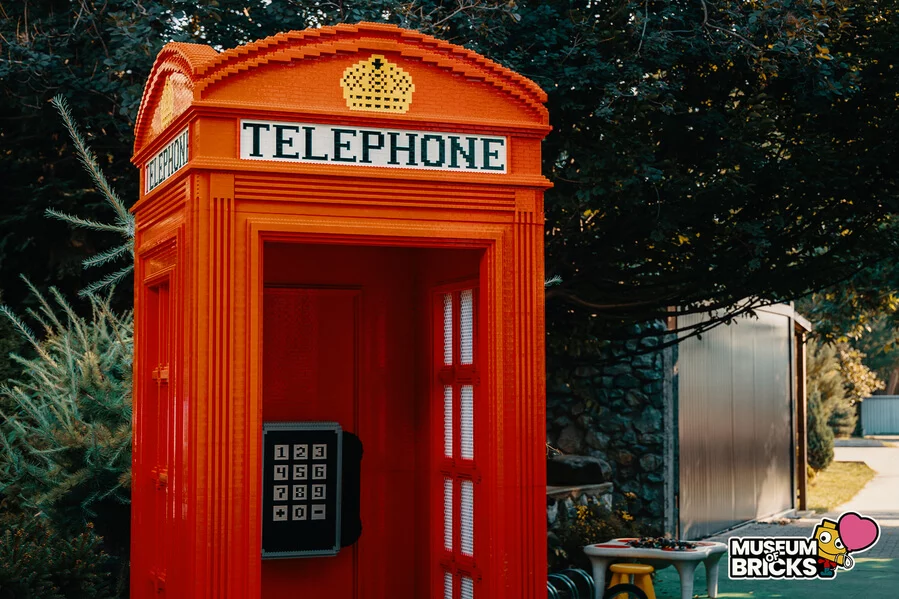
(741, 415)
(880, 415)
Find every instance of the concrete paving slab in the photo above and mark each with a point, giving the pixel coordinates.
(876, 572)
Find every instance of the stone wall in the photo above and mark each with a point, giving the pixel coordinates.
(561, 501)
(615, 412)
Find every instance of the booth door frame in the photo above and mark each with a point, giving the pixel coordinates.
(495, 242)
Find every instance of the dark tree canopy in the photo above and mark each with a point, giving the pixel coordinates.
(701, 152)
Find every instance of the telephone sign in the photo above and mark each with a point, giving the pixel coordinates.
(301, 487)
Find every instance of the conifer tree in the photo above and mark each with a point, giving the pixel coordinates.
(65, 419)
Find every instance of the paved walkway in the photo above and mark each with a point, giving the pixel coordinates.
(883, 441)
(876, 573)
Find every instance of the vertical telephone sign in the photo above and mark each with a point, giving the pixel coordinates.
(301, 487)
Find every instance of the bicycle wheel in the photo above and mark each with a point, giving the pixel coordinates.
(620, 591)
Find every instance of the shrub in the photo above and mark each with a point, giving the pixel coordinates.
(825, 391)
(587, 525)
(37, 562)
(65, 436)
(820, 435)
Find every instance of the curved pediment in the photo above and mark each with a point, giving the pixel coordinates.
(170, 88)
(362, 71)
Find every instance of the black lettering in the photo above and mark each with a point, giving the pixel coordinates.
(256, 127)
(394, 148)
(441, 150)
(368, 145)
(150, 179)
(342, 145)
(456, 149)
(307, 153)
(494, 154)
(182, 154)
(281, 141)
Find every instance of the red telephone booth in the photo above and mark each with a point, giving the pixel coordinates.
(339, 234)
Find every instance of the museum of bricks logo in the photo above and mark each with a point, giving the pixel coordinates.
(799, 558)
(762, 558)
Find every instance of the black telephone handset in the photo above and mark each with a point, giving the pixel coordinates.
(351, 483)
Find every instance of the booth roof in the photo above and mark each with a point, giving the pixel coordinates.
(205, 66)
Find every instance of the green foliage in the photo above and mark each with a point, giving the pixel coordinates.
(820, 435)
(37, 562)
(10, 343)
(700, 151)
(65, 436)
(859, 381)
(587, 525)
(124, 221)
(837, 380)
(825, 390)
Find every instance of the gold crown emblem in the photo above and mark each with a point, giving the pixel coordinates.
(377, 85)
(167, 104)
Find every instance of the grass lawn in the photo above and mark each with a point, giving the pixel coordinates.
(837, 484)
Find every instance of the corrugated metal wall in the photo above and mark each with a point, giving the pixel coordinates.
(880, 415)
(735, 423)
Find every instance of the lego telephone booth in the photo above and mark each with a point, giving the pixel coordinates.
(339, 371)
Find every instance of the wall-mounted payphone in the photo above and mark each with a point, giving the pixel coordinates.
(310, 489)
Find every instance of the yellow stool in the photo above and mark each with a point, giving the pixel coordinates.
(637, 574)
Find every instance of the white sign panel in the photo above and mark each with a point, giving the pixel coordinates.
(168, 161)
(363, 146)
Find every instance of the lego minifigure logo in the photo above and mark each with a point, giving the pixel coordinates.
(819, 557)
(377, 85)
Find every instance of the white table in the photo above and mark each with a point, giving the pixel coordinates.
(618, 550)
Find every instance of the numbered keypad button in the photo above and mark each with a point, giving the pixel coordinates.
(282, 452)
(280, 492)
(299, 492)
(320, 451)
(299, 512)
(318, 512)
(318, 491)
(301, 451)
(300, 472)
(281, 472)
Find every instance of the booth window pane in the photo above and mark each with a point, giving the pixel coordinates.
(467, 422)
(447, 329)
(467, 326)
(458, 375)
(447, 585)
(448, 514)
(467, 518)
(448, 421)
(467, 588)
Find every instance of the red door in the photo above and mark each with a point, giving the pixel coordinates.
(338, 342)
(309, 374)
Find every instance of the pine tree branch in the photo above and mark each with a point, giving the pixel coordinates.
(107, 256)
(124, 218)
(107, 281)
(82, 222)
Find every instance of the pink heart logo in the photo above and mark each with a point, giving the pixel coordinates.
(857, 532)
